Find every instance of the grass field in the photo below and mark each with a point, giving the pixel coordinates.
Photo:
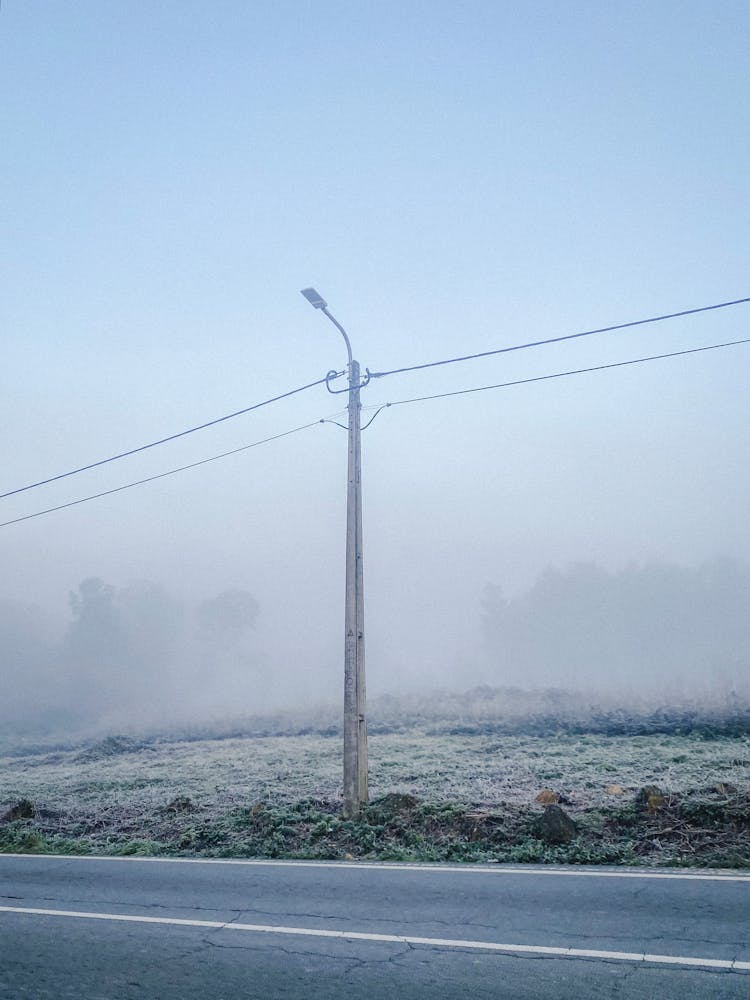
(435, 796)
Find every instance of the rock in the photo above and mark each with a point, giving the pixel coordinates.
(23, 809)
(651, 798)
(47, 814)
(182, 803)
(615, 790)
(396, 802)
(548, 797)
(724, 788)
(554, 826)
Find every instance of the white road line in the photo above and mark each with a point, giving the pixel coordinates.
(398, 867)
(493, 946)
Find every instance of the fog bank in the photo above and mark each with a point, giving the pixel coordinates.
(134, 657)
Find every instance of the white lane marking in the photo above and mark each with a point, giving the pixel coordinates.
(517, 949)
(396, 867)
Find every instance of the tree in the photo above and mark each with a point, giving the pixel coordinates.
(95, 650)
(123, 652)
(655, 626)
(225, 620)
(30, 694)
(225, 674)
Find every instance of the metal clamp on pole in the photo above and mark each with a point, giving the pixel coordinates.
(331, 375)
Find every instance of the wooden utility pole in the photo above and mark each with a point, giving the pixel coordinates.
(355, 720)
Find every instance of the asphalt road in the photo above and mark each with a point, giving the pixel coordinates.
(120, 929)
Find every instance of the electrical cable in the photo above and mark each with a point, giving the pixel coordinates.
(164, 440)
(161, 475)
(378, 408)
(575, 371)
(394, 371)
(557, 340)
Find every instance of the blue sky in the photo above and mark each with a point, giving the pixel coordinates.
(453, 177)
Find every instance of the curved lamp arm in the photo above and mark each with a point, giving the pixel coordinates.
(317, 301)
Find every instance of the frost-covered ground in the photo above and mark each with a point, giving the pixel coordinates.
(436, 796)
(476, 770)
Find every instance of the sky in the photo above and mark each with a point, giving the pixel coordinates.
(453, 178)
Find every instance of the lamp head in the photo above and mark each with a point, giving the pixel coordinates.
(314, 298)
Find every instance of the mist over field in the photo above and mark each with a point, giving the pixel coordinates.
(548, 532)
(661, 630)
(134, 657)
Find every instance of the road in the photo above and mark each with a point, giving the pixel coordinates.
(121, 929)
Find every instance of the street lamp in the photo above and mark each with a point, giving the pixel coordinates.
(355, 723)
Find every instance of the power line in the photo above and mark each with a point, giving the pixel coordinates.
(557, 340)
(394, 371)
(575, 371)
(378, 408)
(164, 440)
(161, 475)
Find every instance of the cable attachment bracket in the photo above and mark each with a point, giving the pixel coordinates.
(338, 392)
(332, 374)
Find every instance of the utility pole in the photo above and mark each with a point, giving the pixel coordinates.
(355, 721)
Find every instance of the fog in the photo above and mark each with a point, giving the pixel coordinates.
(132, 656)
(453, 180)
(669, 633)
(136, 658)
